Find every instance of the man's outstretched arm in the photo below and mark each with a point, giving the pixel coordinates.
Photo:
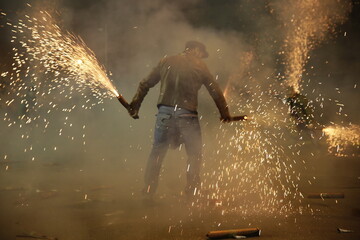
(151, 80)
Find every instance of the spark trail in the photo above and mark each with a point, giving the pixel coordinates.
(62, 53)
(307, 23)
(259, 167)
(341, 139)
(52, 71)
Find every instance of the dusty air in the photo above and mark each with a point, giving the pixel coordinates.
(184, 120)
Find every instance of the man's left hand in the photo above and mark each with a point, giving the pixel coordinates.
(134, 112)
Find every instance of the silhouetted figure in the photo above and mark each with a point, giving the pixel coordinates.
(300, 110)
(181, 76)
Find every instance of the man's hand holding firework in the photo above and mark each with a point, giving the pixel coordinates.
(133, 111)
(227, 118)
(234, 119)
(239, 118)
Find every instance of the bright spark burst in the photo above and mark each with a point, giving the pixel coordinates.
(51, 68)
(307, 22)
(258, 171)
(61, 52)
(341, 139)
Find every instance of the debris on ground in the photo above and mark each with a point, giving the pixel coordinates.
(326, 195)
(342, 230)
(234, 233)
(99, 188)
(34, 237)
(45, 194)
(120, 212)
(11, 188)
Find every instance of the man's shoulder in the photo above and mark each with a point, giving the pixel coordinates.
(184, 60)
(166, 59)
(174, 57)
(174, 60)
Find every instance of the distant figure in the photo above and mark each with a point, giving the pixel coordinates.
(177, 122)
(300, 110)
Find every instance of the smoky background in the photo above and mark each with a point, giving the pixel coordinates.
(129, 38)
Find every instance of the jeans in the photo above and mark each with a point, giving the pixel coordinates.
(173, 127)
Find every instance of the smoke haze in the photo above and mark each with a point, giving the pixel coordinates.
(90, 176)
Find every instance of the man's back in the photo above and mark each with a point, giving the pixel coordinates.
(181, 78)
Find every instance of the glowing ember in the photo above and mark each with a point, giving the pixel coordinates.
(341, 138)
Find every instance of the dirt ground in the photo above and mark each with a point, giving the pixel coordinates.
(73, 203)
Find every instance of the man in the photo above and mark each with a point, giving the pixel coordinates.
(300, 110)
(181, 77)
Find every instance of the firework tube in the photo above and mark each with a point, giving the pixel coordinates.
(126, 105)
(235, 233)
(238, 118)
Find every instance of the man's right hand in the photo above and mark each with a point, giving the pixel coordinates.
(133, 111)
